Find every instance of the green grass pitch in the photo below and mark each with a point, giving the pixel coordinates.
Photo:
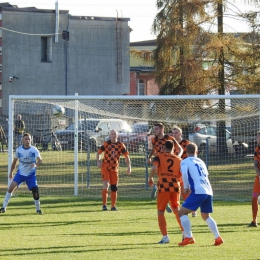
(76, 228)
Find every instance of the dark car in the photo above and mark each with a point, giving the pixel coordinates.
(91, 132)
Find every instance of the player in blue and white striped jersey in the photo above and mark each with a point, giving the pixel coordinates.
(196, 182)
(29, 159)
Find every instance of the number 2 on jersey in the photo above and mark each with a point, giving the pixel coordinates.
(170, 161)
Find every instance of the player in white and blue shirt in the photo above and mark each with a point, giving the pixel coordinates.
(197, 185)
(29, 159)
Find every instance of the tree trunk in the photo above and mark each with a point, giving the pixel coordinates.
(221, 125)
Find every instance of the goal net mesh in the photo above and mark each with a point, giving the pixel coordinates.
(231, 169)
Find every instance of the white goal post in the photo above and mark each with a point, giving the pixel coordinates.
(204, 119)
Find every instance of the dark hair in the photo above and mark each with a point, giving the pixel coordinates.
(159, 124)
(191, 148)
(168, 145)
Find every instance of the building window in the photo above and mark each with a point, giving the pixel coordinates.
(46, 49)
(140, 87)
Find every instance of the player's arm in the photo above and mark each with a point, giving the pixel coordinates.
(256, 167)
(98, 158)
(39, 162)
(128, 163)
(153, 171)
(156, 161)
(179, 148)
(184, 171)
(12, 168)
(150, 155)
(98, 155)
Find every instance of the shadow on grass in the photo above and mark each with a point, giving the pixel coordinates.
(62, 250)
(21, 225)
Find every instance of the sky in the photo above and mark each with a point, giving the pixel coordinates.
(140, 12)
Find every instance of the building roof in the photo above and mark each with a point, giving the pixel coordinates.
(9, 7)
(144, 43)
(88, 17)
(143, 69)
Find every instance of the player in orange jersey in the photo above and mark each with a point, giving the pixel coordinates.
(256, 189)
(167, 166)
(159, 140)
(158, 144)
(112, 150)
(176, 132)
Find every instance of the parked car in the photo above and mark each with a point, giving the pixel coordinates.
(91, 132)
(200, 135)
(135, 139)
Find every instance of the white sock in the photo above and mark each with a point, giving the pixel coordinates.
(37, 204)
(213, 226)
(185, 222)
(7, 198)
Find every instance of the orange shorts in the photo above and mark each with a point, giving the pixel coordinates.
(164, 197)
(256, 188)
(110, 176)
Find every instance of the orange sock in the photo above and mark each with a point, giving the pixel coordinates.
(162, 224)
(255, 208)
(113, 197)
(104, 196)
(175, 211)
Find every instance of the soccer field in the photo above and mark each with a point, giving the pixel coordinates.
(76, 228)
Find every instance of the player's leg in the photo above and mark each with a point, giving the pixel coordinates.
(190, 204)
(105, 194)
(16, 181)
(105, 181)
(255, 195)
(154, 191)
(31, 182)
(113, 188)
(175, 204)
(162, 201)
(207, 208)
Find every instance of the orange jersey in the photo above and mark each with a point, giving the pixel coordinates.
(112, 152)
(158, 143)
(183, 143)
(168, 171)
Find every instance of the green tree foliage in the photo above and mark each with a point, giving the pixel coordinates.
(195, 56)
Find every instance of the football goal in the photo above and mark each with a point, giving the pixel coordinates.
(223, 127)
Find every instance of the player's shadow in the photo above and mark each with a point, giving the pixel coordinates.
(14, 226)
(61, 250)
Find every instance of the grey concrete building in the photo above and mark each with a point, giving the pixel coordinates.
(39, 57)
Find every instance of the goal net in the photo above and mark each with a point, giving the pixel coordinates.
(223, 127)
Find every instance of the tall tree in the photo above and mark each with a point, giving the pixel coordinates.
(178, 30)
(186, 43)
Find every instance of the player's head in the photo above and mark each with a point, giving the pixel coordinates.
(191, 149)
(176, 132)
(19, 117)
(168, 146)
(26, 139)
(158, 129)
(258, 138)
(113, 134)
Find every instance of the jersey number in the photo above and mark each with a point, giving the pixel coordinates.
(170, 161)
(200, 170)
